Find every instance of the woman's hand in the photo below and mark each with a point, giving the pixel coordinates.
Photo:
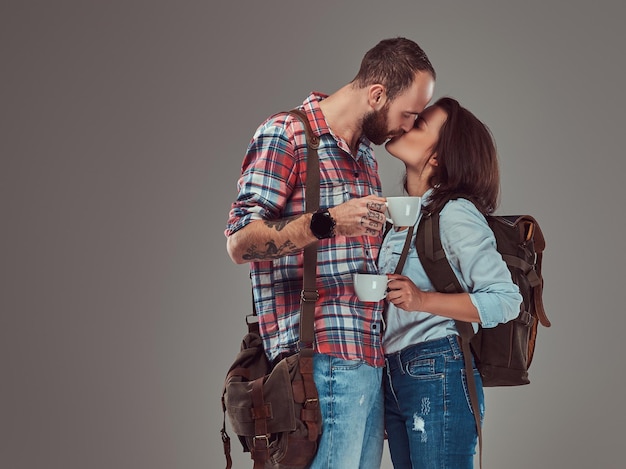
(403, 293)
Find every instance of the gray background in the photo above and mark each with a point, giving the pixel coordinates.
(124, 126)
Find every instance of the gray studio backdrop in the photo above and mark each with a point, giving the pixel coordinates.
(124, 125)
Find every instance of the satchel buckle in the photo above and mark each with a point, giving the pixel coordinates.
(262, 437)
(309, 295)
(311, 401)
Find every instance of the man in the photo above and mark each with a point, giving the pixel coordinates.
(269, 228)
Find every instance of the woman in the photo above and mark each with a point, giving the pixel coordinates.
(451, 162)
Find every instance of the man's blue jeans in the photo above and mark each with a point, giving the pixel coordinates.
(428, 415)
(351, 400)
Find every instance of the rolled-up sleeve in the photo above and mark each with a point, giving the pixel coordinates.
(470, 246)
(267, 177)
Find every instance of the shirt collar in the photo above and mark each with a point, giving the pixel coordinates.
(426, 196)
(311, 106)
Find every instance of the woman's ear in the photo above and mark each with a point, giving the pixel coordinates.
(433, 160)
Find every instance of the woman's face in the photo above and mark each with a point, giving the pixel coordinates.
(415, 147)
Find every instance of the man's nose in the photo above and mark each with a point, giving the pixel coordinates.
(406, 126)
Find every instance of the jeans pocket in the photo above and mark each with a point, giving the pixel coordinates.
(340, 364)
(420, 367)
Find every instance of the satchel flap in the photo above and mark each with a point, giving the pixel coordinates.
(252, 358)
(278, 397)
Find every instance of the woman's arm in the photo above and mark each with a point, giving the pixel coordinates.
(405, 295)
(470, 247)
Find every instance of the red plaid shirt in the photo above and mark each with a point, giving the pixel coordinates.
(272, 187)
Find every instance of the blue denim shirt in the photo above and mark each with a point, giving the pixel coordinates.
(470, 247)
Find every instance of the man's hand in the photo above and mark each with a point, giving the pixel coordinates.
(360, 216)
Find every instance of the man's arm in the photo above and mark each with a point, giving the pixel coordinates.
(271, 239)
(263, 239)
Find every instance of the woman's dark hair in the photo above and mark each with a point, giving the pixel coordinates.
(467, 160)
(393, 63)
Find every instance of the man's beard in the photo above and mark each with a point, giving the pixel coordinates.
(375, 126)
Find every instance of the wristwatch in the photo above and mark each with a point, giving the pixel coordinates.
(322, 224)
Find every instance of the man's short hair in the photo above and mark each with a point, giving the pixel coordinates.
(393, 63)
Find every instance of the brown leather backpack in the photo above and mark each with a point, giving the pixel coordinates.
(503, 354)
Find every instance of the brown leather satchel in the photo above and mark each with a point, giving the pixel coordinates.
(274, 410)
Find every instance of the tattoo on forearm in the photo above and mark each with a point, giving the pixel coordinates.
(278, 225)
(271, 251)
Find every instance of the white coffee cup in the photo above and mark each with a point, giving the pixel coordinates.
(404, 210)
(370, 287)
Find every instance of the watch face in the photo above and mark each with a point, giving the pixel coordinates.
(322, 224)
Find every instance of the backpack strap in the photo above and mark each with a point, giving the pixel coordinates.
(435, 263)
(535, 234)
(401, 261)
(405, 251)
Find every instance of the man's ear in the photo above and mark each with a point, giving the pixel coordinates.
(377, 97)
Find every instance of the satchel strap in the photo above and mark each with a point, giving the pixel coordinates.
(261, 412)
(308, 298)
(310, 409)
(309, 294)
